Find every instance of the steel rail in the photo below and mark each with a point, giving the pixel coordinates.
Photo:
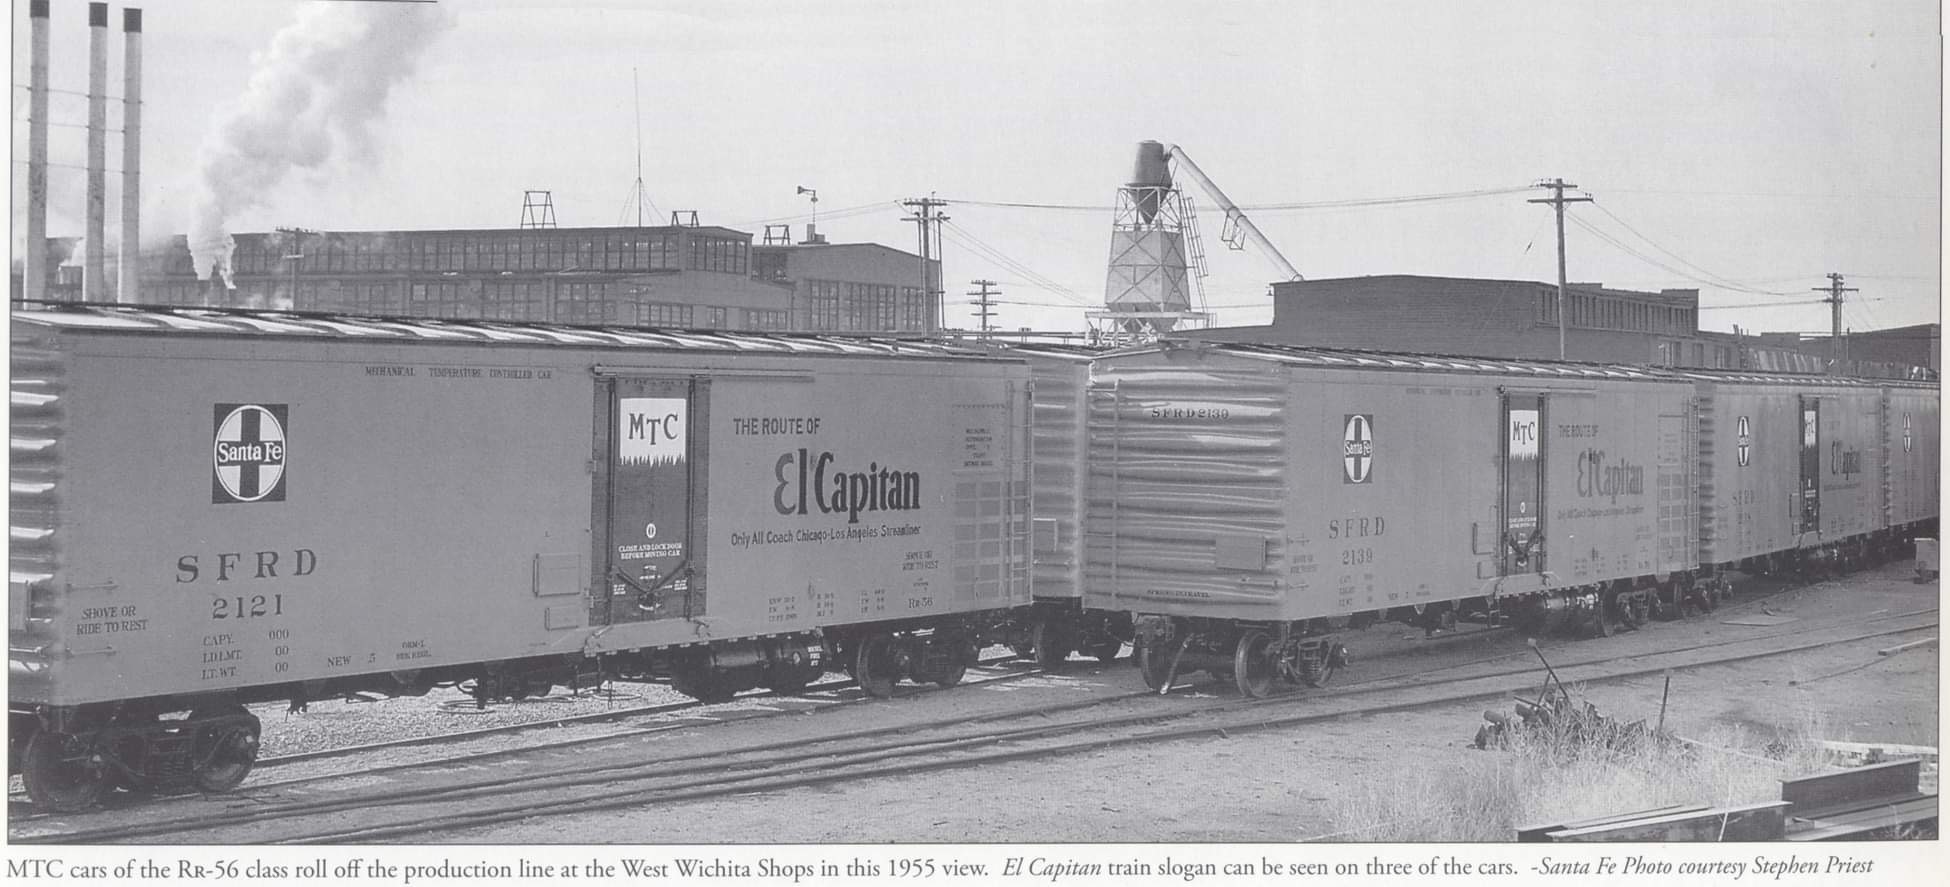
(872, 762)
(659, 768)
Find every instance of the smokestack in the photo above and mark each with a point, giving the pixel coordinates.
(128, 268)
(94, 264)
(34, 275)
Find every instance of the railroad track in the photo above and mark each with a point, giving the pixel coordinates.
(19, 795)
(1769, 589)
(616, 714)
(429, 806)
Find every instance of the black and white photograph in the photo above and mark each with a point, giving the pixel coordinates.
(1081, 441)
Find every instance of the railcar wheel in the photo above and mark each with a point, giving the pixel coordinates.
(1600, 624)
(1634, 608)
(1106, 650)
(224, 751)
(1154, 662)
(876, 668)
(62, 773)
(1252, 668)
(1664, 601)
(1052, 648)
(1332, 660)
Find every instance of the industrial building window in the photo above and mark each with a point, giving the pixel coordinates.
(437, 300)
(914, 309)
(368, 298)
(664, 314)
(718, 254)
(504, 301)
(824, 311)
(663, 253)
(310, 297)
(714, 318)
(520, 300)
(762, 319)
(584, 303)
(870, 307)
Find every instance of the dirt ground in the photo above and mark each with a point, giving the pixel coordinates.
(1281, 784)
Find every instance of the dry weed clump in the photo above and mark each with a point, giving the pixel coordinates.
(1558, 773)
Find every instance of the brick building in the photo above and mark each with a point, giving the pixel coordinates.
(1518, 319)
(677, 276)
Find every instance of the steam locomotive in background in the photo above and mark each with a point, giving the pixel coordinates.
(213, 508)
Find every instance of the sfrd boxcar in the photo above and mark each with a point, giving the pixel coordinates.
(1248, 500)
(210, 509)
(1809, 471)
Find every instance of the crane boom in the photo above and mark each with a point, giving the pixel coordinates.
(1236, 222)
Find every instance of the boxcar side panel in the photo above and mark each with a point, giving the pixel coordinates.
(1753, 446)
(1852, 454)
(238, 512)
(255, 514)
(854, 495)
(1605, 448)
(1394, 480)
(1913, 452)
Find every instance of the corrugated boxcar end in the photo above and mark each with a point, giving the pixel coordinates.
(1161, 502)
(37, 410)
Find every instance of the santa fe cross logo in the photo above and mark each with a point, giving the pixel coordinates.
(1744, 440)
(1357, 449)
(247, 459)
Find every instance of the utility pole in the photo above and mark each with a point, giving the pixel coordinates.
(928, 218)
(1834, 289)
(1557, 201)
(296, 255)
(984, 303)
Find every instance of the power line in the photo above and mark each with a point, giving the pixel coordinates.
(967, 238)
(862, 209)
(1268, 207)
(1621, 246)
(1722, 282)
(1802, 302)
(1812, 194)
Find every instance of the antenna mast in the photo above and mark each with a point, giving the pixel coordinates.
(639, 195)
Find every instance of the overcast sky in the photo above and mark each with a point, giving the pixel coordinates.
(1748, 146)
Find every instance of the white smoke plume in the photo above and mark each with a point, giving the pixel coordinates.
(313, 99)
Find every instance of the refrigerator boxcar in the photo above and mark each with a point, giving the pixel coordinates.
(1246, 501)
(1812, 470)
(210, 509)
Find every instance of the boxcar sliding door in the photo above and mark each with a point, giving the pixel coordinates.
(1810, 465)
(1523, 484)
(649, 508)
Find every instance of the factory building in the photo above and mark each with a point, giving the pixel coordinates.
(1519, 319)
(678, 276)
